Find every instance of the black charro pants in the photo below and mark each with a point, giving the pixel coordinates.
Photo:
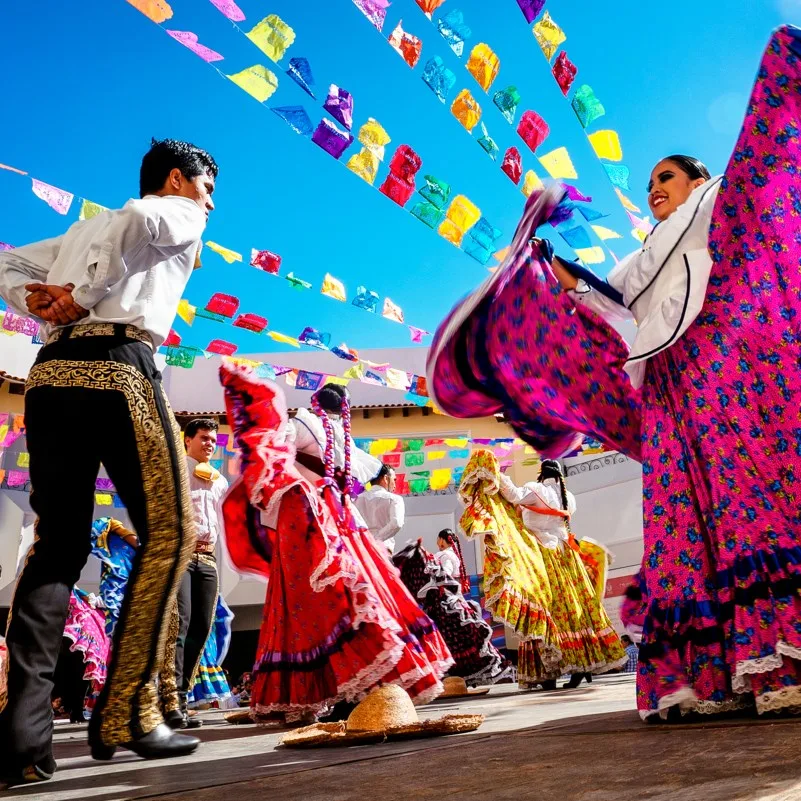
(197, 603)
(94, 396)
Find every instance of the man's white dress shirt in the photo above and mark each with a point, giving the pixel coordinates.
(207, 498)
(128, 266)
(384, 513)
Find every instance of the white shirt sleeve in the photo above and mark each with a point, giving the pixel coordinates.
(397, 517)
(303, 439)
(571, 503)
(168, 223)
(603, 306)
(25, 265)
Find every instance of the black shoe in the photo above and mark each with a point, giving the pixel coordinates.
(175, 719)
(41, 771)
(192, 721)
(548, 685)
(161, 743)
(339, 712)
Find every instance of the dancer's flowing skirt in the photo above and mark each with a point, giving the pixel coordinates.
(467, 634)
(86, 630)
(211, 684)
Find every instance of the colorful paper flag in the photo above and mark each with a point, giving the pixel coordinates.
(392, 312)
(466, 109)
(592, 255)
(513, 165)
(308, 381)
(334, 288)
(186, 311)
(272, 36)
(453, 30)
(440, 479)
(331, 139)
(439, 78)
(417, 334)
(435, 456)
(314, 338)
(374, 138)
(265, 260)
(564, 70)
(295, 117)
(548, 35)
(627, 204)
(531, 183)
(374, 10)
(230, 9)
(90, 209)
(339, 104)
(257, 81)
(533, 129)
(577, 237)
(531, 8)
(230, 256)
(156, 10)
(23, 460)
(619, 175)
(507, 101)
(487, 142)
(558, 164)
(483, 65)
(406, 45)
(605, 233)
(300, 71)
(283, 338)
(366, 299)
(365, 164)
(606, 145)
(587, 106)
(189, 40)
(56, 198)
(103, 499)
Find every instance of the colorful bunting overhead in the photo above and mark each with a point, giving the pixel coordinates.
(272, 36)
(407, 46)
(334, 288)
(466, 109)
(606, 145)
(533, 130)
(257, 81)
(157, 10)
(230, 9)
(229, 255)
(564, 70)
(548, 35)
(587, 106)
(189, 40)
(296, 118)
(300, 71)
(339, 104)
(56, 198)
(558, 164)
(483, 65)
(374, 10)
(439, 78)
(454, 31)
(331, 139)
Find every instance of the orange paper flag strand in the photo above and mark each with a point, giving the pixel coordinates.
(157, 10)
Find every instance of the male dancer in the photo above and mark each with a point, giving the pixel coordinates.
(121, 274)
(197, 593)
(382, 509)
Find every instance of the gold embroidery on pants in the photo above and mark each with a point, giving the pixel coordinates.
(131, 705)
(168, 688)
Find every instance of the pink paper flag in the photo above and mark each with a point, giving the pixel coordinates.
(3, 418)
(189, 39)
(418, 334)
(11, 438)
(16, 479)
(56, 198)
(230, 9)
(6, 246)
(19, 324)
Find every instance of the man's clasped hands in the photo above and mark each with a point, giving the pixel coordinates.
(53, 303)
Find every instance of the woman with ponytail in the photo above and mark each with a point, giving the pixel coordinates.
(338, 621)
(451, 559)
(531, 525)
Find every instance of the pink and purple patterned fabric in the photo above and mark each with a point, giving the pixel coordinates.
(717, 425)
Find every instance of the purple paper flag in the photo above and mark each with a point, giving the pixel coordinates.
(308, 381)
(339, 104)
(104, 484)
(222, 441)
(575, 194)
(331, 139)
(374, 10)
(56, 198)
(230, 9)
(531, 8)
(189, 39)
(6, 246)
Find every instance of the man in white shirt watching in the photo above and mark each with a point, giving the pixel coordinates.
(382, 509)
(107, 292)
(197, 594)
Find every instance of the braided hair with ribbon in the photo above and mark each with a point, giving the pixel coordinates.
(333, 399)
(449, 537)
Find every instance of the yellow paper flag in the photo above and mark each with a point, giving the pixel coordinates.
(157, 10)
(186, 311)
(397, 379)
(463, 213)
(435, 456)
(378, 447)
(364, 164)
(333, 287)
(594, 255)
(272, 36)
(276, 337)
(457, 443)
(558, 164)
(3, 433)
(530, 184)
(356, 372)
(605, 233)
(373, 136)
(548, 35)
(440, 479)
(335, 379)
(639, 235)
(23, 460)
(627, 204)
(89, 210)
(103, 499)
(483, 65)
(257, 81)
(229, 255)
(606, 145)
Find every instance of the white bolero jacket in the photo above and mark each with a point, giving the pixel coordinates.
(550, 530)
(664, 284)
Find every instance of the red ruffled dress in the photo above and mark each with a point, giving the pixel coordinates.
(338, 621)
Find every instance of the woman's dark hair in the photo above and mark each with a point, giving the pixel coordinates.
(164, 156)
(550, 468)
(691, 166)
(330, 398)
(449, 536)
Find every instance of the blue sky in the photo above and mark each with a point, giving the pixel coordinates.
(88, 84)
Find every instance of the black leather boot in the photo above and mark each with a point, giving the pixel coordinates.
(40, 771)
(161, 743)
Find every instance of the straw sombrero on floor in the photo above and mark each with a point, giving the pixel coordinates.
(455, 687)
(386, 714)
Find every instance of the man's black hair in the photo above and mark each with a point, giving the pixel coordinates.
(164, 156)
(200, 424)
